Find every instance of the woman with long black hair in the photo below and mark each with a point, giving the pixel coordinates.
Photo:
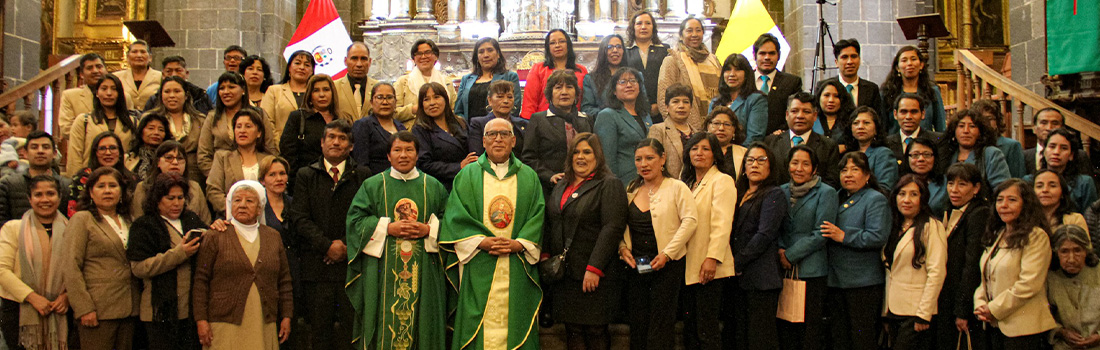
(909, 74)
(609, 59)
(109, 113)
(558, 49)
(290, 94)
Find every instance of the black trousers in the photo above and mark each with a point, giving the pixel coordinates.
(997, 340)
(173, 335)
(330, 316)
(811, 334)
(904, 336)
(702, 303)
(651, 298)
(853, 317)
(754, 320)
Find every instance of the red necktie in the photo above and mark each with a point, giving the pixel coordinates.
(335, 174)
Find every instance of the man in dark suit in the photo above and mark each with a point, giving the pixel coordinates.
(801, 114)
(909, 112)
(176, 66)
(777, 85)
(324, 191)
(1046, 120)
(863, 91)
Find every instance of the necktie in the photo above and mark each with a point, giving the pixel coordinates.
(359, 93)
(797, 140)
(764, 88)
(335, 174)
(849, 87)
(908, 140)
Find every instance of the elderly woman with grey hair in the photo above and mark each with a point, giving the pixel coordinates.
(1073, 289)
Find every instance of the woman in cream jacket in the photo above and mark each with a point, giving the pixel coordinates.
(915, 257)
(1012, 296)
(660, 221)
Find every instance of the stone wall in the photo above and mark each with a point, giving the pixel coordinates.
(203, 28)
(873, 23)
(1027, 26)
(22, 33)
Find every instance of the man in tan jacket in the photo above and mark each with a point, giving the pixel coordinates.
(356, 86)
(140, 81)
(78, 100)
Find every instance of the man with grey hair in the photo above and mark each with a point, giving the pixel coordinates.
(356, 86)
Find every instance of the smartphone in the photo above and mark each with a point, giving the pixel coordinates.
(643, 264)
(193, 235)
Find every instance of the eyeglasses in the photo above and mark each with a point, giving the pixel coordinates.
(614, 46)
(107, 149)
(423, 53)
(495, 134)
(559, 42)
(721, 124)
(761, 160)
(919, 155)
(172, 159)
(628, 82)
(384, 97)
(233, 58)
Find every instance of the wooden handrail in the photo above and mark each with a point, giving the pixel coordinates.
(42, 80)
(975, 78)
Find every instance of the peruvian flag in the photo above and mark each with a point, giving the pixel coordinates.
(322, 34)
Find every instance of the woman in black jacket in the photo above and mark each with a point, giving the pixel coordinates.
(586, 215)
(161, 250)
(548, 133)
(965, 219)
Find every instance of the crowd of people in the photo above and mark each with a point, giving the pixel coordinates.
(664, 185)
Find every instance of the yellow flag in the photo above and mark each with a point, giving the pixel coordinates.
(748, 20)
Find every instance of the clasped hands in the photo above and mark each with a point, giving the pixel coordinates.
(500, 246)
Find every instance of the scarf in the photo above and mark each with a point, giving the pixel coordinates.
(151, 237)
(146, 160)
(417, 79)
(250, 232)
(570, 118)
(702, 73)
(181, 133)
(799, 191)
(51, 331)
(697, 54)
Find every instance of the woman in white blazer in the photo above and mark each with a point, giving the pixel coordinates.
(1012, 296)
(915, 257)
(661, 220)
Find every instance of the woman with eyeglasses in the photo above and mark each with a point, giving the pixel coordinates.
(737, 92)
(722, 122)
(645, 52)
(217, 130)
(674, 132)
(425, 54)
(624, 123)
(170, 159)
(109, 113)
(290, 94)
(487, 66)
(372, 134)
(608, 61)
(920, 159)
(558, 48)
(241, 163)
(108, 153)
(1011, 299)
(862, 134)
(692, 64)
(856, 276)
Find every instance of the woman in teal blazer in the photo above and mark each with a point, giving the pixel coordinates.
(608, 60)
(1062, 154)
(488, 66)
(862, 134)
(856, 275)
(801, 246)
(737, 91)
(623, 124)
(970, 132)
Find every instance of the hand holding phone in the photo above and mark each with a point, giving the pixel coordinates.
(193, 235)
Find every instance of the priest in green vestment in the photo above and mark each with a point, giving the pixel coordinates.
(493, 223)
(396, 280)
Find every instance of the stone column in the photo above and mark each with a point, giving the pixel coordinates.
(474, 12)
(654, 7)
(677, 10)
(424, 10)
(584, 11)
(399, 9)
(379, 9)
(605, 10)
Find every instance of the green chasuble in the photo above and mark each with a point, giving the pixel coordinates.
(399, 295)
(498, 297)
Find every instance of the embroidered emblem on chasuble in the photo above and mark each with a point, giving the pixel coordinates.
(499, 213)
(403, 283)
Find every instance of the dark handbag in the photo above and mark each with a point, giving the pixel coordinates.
(553, 269)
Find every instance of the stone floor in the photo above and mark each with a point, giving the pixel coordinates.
(553, 338)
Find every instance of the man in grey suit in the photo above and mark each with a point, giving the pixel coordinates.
(773, 83)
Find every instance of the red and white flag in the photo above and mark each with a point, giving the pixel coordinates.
(322, 34)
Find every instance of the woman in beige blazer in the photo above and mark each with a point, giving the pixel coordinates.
(724, 125)
(288, 95)
(1012, 296)
(660, 221)
(109, 113)
(915, 257)
(675, 129)
(215, 134)
(693, 65)
(407, 88)
(184, 122)
(241, 163)
(170, 159)
(102, 291)
(137, 58)
(37, 291)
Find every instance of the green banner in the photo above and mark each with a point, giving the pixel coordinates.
(1073, 36)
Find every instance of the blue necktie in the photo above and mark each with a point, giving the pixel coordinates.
(849, 87)
(908, 140)
(797, 140)
(765, 87)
